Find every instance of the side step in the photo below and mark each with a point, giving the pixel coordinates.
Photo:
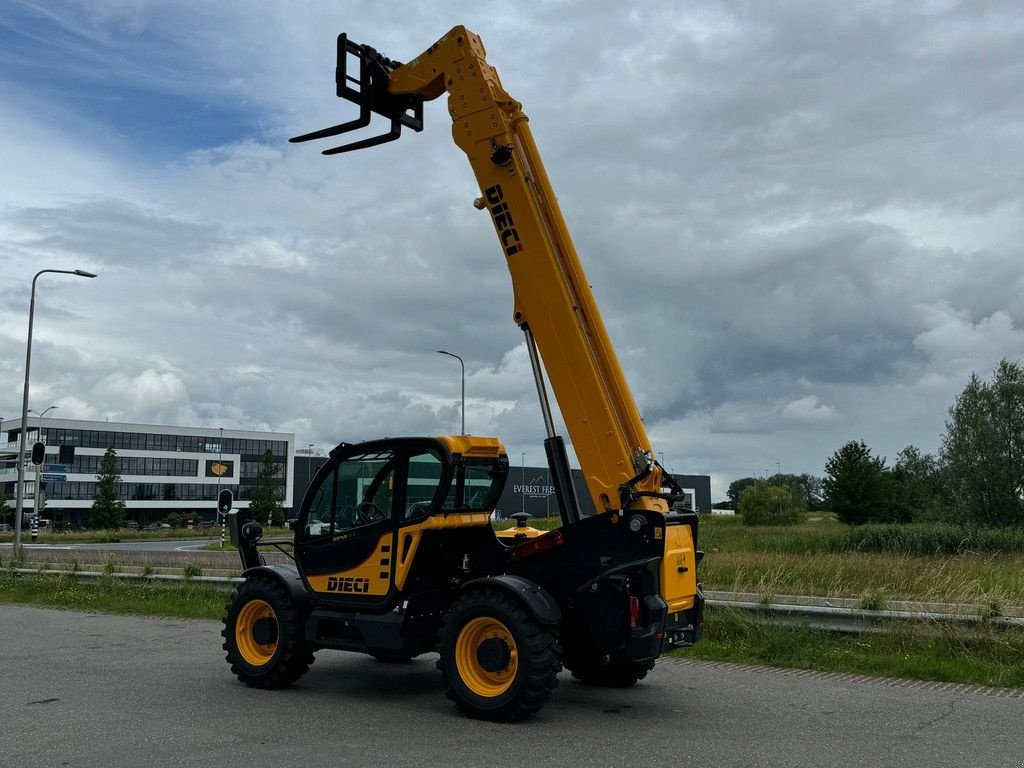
(363, 632)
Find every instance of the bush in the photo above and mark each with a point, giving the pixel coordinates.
(191, 571)
(928, 539)
(763, 504)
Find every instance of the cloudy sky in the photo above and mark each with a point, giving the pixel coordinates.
(802, 220)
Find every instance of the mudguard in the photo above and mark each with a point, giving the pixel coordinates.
(287, 575)
(536, 599)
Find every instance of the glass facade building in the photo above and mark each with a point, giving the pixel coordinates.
(163, 469)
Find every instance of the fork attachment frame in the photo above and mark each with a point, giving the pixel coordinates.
(370, 91)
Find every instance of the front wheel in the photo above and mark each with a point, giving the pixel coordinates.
(497, 661)
(264, 635)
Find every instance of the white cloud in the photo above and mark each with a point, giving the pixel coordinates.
(819, 253)
(957, 346)
(149, 390)
(807, 410)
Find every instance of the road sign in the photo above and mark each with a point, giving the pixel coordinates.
(48, 478)
(58, 468)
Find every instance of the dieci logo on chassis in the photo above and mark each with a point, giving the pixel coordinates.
(347, 584)
(503, 220)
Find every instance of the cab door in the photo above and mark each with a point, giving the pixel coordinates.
(345, 537)
(347, 531)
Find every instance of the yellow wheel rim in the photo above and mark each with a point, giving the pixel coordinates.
(256, 654)
(481, 681)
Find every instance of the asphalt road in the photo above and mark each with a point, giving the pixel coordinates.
(87, 690)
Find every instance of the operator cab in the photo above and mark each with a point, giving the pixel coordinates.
(402, 479)
(370, 503)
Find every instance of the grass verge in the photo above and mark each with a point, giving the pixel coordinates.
(945, 653)
(189, 600)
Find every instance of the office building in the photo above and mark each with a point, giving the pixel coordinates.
(163, 469)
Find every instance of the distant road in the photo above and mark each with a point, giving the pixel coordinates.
(88, 690)
(143, 545)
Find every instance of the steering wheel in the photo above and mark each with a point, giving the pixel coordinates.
(417, 508)
(368, 512)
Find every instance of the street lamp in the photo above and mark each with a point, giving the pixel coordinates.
(20, 497)
(451, 354)
(39, 429)
(523, 487)
(220, 460)
(309, 465)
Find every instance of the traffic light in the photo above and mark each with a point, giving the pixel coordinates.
(224, 501)
(38, 453)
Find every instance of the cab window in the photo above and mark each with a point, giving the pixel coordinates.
(360, 491)
(482, 486)
(477, 486)
(425, 470)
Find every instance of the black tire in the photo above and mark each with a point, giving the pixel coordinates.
(264, 635)
(619, 676)
(479, 685)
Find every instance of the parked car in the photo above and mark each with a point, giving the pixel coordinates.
(131, 524)
(5, 528)
(157, 527)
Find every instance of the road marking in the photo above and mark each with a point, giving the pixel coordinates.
(191, 547)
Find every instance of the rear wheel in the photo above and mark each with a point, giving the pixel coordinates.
(497, 661)
(263, 635)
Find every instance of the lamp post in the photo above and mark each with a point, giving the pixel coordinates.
(309, 465)
(220, 460)
(452, 354)
(523, 487)
(20, 497)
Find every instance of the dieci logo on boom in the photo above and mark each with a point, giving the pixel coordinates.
(503, 220)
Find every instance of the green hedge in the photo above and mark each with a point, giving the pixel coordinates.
(927, 539)
(730, 535)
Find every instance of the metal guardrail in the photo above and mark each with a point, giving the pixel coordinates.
(837, 618)
(857, 620)
(224, 582)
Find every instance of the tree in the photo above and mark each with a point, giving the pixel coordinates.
(107, 507)
(855, 485)
(805, 489)
(737, 487)
(265, 502)
(813, 492)
(982, 453)
(765, 504)
(915, 486)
